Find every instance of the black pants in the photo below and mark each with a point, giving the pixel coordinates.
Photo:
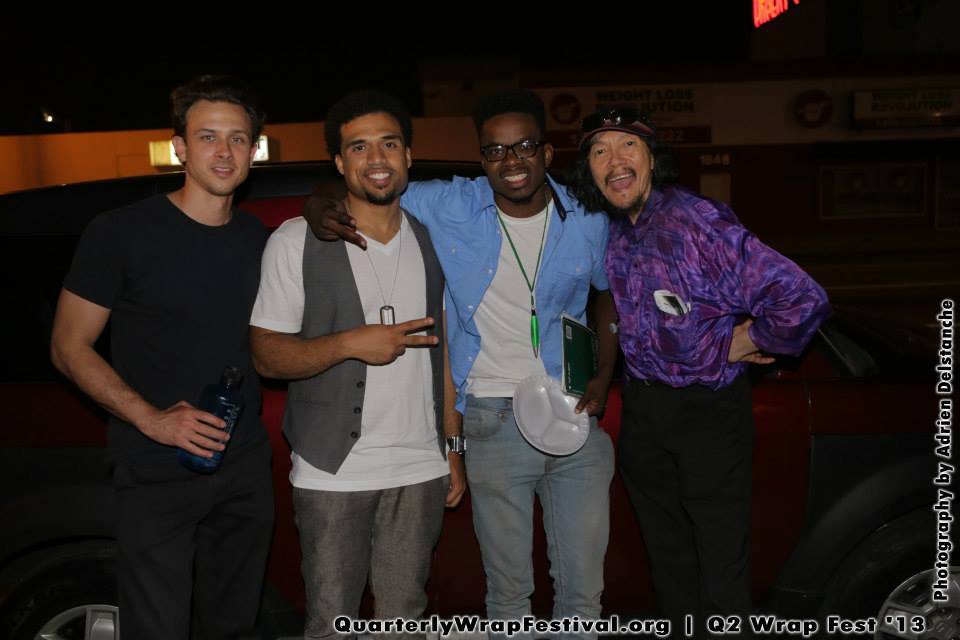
(192, 543)
(685, 458)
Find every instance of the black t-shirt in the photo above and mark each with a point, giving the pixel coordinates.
(180, 294)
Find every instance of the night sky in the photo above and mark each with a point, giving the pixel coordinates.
(119, 77)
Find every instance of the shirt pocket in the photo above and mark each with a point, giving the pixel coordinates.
(570, 283)
(675, 337)
(461, 268)
(456, 251)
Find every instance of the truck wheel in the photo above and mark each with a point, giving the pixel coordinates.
(911, 611)
(877, 568)
(75, 604)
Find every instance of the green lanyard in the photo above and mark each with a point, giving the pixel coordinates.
(534, 325)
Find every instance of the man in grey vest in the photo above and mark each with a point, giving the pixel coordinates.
(366, 408)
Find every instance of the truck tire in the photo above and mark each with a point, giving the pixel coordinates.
(65, 604)
(878, 566)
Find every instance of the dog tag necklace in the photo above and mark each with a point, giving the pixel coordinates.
(387, 315)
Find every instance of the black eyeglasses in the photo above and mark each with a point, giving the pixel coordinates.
(624, 117)
(523, 149)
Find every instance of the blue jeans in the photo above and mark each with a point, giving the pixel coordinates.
(505, 473)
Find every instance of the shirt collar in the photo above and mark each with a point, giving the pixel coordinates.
(653, 201)
(621, 226)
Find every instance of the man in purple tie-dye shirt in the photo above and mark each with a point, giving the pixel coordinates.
(699, 297)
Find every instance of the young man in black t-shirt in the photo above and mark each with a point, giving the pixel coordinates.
(177, 276)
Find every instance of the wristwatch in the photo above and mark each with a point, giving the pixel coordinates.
(457, 444)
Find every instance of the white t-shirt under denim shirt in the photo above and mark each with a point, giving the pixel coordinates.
(503, 317)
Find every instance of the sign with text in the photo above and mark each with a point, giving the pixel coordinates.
(888, 108)
(680, 112)
(766, 10)
(873, 190)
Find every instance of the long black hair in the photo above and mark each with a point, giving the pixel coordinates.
(581, 185)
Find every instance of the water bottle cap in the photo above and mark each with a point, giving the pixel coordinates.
(232, 376)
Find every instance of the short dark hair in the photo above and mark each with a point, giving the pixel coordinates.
(360, 103)
(215, 89)
(580, 183)
(510, 101)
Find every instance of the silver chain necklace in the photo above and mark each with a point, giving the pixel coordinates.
(387, 315)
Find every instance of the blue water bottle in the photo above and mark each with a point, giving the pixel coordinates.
(225, 401)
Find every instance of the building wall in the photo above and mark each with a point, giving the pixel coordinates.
(40, 160)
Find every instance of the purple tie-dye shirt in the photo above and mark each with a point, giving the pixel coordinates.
(720, 273)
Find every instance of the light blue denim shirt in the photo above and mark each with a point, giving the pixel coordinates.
(462, 219)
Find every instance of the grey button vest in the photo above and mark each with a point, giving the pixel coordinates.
(323, 413)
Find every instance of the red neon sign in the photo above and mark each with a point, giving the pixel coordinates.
(766, 10)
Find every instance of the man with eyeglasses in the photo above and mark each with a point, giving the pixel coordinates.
(515, 248)
(699, 298)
